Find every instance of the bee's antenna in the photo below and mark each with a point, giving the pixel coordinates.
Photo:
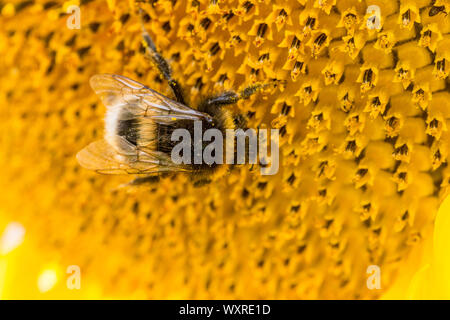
(148, 40)
(159, 61)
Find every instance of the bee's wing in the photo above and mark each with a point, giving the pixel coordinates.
(101, 157)
(115, 154)
(121, 92)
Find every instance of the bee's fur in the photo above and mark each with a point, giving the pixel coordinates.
(162, 133)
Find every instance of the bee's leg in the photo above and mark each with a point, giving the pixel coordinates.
(144, 180)
(161, 63)
(201, 182)
(250, 90)
(231, 97)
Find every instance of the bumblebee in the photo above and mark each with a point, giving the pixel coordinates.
(139, 123)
